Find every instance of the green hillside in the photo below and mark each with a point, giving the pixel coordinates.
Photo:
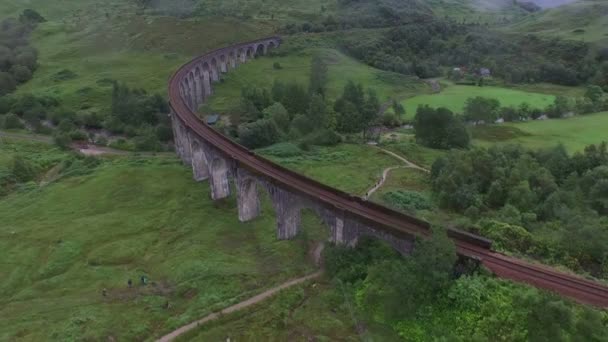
(585, 20)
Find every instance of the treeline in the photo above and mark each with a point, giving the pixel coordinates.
(18, 60)
(542, 203)
(480, 109)
(426, 49)
(134, 114)
(432, 296)
(440, 128)
(289, 111)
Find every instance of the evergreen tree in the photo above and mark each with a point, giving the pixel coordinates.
(318, 76)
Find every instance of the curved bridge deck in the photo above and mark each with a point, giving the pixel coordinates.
(217, 158)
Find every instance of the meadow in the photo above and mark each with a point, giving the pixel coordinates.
(574, 133)
(319, 311)
(454, 97)
(61, 245)
(349, 167)
(295, 67)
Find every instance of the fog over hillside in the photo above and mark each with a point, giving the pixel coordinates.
(552, 3)
(499, 4)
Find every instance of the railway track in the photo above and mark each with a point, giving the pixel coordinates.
(380, 217)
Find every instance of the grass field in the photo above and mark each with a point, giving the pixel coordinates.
(318, 311)
(454, 97)
(574, 133)
(61, 245)
(348, 167)
(295, 67)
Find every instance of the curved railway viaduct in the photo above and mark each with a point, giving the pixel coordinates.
(216, 158)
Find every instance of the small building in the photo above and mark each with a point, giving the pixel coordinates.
(484, 72)
(212, 119)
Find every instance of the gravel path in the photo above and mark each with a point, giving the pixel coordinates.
(385, 173)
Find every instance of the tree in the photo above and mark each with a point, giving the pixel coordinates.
(398, 108)
(11, 121)
(317, 111)
(21, 73)
(23, 170)
(260, 133)
(318, 76)
(481, 109)
(7, 83)
(295, 99)
(594, 93)
(439, 128)
(369, 112)
(279, 115)
(29, 15)
(397, 289)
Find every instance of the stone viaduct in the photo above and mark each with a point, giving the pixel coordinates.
(196, 144)
(217, 159)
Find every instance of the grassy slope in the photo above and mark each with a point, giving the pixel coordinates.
(61, 245)
(454, 97)
(575, 133)
(296, 68)
(317, 311)
(582, 20)
(116, 41)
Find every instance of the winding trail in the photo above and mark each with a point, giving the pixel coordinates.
(385, 173)
(316, 253)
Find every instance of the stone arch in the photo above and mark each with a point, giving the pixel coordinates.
(189, 99)
(260, 50)
(219, 178)
(223, 63)
(232, 57)
(250, 52)
(214, 70)
(206, 79)
(199, 164)
(198, 80)
(271, 45)
(248, 200)
(195, 89)
(241, 55)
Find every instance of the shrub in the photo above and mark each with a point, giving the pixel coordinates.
(31, 16)
(391, 120)
(23, 170)
(506, 236)
(62, 140)
(11, 121)
(21, 73)
(7, 83)
(324, 137)
(64, 75)
(277, 66)
(407, 200)
(260, 133)
(282, 150)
